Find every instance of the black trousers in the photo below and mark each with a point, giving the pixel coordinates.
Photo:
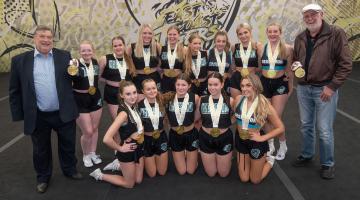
(41, 139)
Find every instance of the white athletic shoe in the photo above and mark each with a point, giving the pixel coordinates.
(97, 174)
(95, 158)
(280, 155)
(270, 160)
(87, 161)
(271, 147)
(113, 166)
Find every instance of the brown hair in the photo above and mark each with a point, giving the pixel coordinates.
(159, 98)
(127, 58)
(188, 56)
(123, 84)
(43, 28)
(180, 46)
(223, 33)
(282, 46)
(169, 96)
(218, 76)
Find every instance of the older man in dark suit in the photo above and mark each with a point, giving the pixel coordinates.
(40, 92)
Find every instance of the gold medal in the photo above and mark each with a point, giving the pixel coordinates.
(244, 134)
(299, 72)
(140, 138)
(92, 90)
(156, 134)
(271, 73)
(244, 72)
(147, 70)
(170, 73)
(72, 70)
(197, 82)
(180, 130)
(215, 132)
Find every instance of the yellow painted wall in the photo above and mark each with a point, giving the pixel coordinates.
(100, 20)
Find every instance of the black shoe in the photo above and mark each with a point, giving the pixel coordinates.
(41, 187)
(75, 176)
(327, 172)
(301, 161)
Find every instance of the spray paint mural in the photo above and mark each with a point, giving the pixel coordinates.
(99, 21)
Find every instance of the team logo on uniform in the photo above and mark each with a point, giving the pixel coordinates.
(227, 148)
(164, 146)
(195, 143)
(99, 103)
(255, 153)
(281, 89)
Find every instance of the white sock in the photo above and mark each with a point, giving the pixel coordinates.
(283, 144)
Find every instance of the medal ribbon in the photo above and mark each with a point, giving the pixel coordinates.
(121, 67)
(146, 54)
(180, 114)
(90, 72)
(171, 56)
(272, 57)
(136, 118)
(245, 55)
(215, 113)
(154, 116)
(221, 62)
(195, 67)
(245, 114)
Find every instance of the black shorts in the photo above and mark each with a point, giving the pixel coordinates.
(141, 77)
(87, 103)
(201, 90)
(188, 140)
(133, 156)
(168, 84)
(235, 80)
(111, 95)
(256, 150)
(221, 145)
(155, 146)
(273, 87)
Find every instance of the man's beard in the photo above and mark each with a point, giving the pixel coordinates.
(314, 27)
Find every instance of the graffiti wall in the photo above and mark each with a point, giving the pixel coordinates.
(100, 20)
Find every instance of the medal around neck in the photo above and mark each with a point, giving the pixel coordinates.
(244, 134)
(147, 70)
(297, 68)
(180, 130)
(73, 67)
(271, 73)
(244, 72)
(156, 134)
(215, 132)
(92, 90)
(140, 138)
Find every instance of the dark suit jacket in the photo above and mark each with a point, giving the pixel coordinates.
(22, 95)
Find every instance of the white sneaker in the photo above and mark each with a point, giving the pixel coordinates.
(113, 166)
(280, 155)
(95, 158)
(87, 161)
(270, 160)
(271, 147)
(97, 174)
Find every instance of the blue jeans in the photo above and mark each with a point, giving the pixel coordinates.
(313, 111)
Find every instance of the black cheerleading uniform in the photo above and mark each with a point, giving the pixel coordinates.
(252, 63)
(111, 73)
(152, 146)
(223, 144)
(125, 131)
(273, 86)
(255, 149)
(140, 65)
(214, 67)
(188, 140)
(202, 89)
(168, 83)
(86, 102)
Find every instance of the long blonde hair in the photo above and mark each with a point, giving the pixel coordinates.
(140, 45)
(262, 109)
(223, 33)
(158, 97)
(188, 56)
(180, 46)
(249, 28)
(127, 58)
(283, 52)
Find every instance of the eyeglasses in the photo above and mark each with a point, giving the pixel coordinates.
(309, 15)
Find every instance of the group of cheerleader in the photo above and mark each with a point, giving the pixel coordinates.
(185, 99)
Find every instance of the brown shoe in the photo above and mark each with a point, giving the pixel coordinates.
(41, 187)
(327, 172)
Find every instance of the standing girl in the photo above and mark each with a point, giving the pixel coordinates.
(88, 98)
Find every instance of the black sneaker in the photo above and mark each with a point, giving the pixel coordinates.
(301, 161)
(327, 172)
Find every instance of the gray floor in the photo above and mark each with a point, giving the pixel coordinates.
(17, 177)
